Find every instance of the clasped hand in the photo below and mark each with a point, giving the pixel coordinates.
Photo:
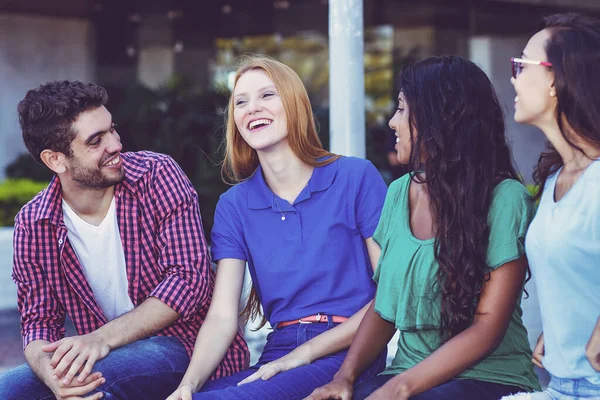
(76, 356)
(76, 390)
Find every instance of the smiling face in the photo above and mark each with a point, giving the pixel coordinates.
(259, 113)
(535, 103)
(400, 123)
(95, 162)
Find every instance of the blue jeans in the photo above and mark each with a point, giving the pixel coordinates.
(149, 369)
(563, 389)
(293, 384)
(456, 389)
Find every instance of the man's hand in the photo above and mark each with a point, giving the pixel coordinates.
(74, 355)
(77, 390)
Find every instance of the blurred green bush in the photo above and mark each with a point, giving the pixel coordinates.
(14, 193)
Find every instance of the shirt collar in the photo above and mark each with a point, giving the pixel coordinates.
(260, 195)
(51, 198)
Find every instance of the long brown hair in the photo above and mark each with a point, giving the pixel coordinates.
(458, 129)
(574, 51)
(241, 160)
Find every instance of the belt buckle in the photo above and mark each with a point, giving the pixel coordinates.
(318, 317)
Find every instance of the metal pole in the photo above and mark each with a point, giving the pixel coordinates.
(346, 78)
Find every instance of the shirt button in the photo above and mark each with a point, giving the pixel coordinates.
(60, 241)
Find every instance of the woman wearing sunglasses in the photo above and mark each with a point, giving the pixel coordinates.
(557, 84)
(452, 267)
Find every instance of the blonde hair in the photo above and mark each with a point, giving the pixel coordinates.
(241, 160)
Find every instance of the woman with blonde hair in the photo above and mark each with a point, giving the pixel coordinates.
(302, 219)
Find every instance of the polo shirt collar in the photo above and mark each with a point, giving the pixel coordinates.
(262, 197)
(323, 177)
(259, 195)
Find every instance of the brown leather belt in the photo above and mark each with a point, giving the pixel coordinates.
(312, 319)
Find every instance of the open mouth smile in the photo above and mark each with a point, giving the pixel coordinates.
(112, 162)
(259, 124)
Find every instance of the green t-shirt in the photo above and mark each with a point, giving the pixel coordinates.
(407, 269)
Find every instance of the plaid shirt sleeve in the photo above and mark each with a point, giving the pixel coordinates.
(183, 249)
(42, 315)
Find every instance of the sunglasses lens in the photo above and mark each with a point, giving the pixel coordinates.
(516, 69)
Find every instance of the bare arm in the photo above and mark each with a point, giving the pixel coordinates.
(38, 361)
(492, 316)
(141, 322)
(219, 327)
(328, 342)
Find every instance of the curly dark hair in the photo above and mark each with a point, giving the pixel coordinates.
(574, 51)
(47, 113)
(458, 142)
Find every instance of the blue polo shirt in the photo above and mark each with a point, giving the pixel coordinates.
(314, 261)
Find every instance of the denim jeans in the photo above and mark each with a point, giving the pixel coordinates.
(149, 369)
(456, 389)
(563, 389)
(293, 384)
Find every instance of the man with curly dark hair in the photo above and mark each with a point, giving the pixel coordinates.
(115, 242)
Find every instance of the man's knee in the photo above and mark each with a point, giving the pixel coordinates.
(21, 383)
(157, 355)
(149, 369)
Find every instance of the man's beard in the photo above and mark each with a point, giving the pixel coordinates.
(93, 178)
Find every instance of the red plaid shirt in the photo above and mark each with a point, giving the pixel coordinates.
(165, 253)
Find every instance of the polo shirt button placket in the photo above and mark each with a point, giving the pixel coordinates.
(293, 225)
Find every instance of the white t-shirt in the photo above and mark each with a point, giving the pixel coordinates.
(563, 249)
(100, 252)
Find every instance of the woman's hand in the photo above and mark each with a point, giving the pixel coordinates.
(340, 389)
(538, 352)
(183, 392)
(592, 350)
(297, 358)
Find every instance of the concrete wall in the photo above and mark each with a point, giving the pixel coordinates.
(33, 51)
(493, 55)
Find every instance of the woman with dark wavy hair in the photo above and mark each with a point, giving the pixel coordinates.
(557, 81)
(452, 269)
